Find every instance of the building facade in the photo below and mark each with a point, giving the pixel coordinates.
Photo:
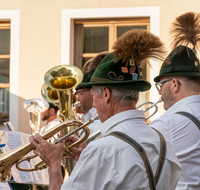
(39, 35)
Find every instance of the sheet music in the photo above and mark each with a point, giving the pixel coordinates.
(14, 140)
(4, 186)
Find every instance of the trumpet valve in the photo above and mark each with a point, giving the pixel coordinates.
(41, 165)
(66, 151)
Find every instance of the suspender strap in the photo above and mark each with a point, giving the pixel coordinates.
(142, 154)
(191, 117)
(161, 160)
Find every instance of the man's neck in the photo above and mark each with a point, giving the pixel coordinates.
(116, 108)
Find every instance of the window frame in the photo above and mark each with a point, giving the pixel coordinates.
(67, 32)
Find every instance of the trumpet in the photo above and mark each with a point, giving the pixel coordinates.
(16, 156)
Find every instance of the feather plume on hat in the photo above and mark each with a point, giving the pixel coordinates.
(138, 46)
(185, 30)
(93, 62)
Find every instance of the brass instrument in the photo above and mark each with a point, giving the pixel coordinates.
(35, 107)
(58, 88)
(152, 105)
(59, 82)
(63, 79)
(15, 156)
(76, 104)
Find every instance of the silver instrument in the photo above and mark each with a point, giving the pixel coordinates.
(35, 107)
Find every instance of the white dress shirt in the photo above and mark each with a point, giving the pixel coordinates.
(94, 127)
(50, 125)
(111, 164)
(185, 137)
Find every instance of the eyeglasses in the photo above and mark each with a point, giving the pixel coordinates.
(78, 92)
(160, 84)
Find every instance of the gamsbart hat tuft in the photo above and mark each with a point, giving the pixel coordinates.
(123, 67)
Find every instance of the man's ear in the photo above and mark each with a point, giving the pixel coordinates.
(106, 94)
(176, 86)
(51, 111)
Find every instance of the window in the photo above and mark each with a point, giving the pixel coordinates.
(4, 70)
(95, 36)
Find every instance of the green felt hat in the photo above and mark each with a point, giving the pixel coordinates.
(181, 61)
(110, 75)
(122, 68)
(86, 79)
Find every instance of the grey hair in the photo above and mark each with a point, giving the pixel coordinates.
(122, 96)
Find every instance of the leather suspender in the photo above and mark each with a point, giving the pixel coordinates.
(191, 117)
(162, 155)
(152, 181)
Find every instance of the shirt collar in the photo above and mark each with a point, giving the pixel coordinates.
(178, 105)
(91, 113)
(118, 118)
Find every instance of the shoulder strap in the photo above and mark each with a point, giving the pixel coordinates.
(191, 117)
(142, 154)
(161, 160)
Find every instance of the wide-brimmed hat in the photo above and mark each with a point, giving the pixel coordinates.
(123, 67)
(182, 60)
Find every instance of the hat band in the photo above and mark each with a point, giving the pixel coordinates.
(94, 79)
(179, 69)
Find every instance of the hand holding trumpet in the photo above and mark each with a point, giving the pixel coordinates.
(76, 151)
(51, 154)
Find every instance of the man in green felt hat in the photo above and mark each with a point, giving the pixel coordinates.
(84, 95)
(131, 155)
(178, 83)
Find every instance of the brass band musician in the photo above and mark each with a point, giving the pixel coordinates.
(84, 95)
(179, 86)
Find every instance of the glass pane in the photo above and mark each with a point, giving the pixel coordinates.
(144, 71)
(4, 105)
(122, 29)
(95, 39)
(4, 70)
(85, 59)
(5, 41)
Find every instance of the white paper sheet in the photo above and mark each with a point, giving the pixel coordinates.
(14, 140)
(4, 186)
